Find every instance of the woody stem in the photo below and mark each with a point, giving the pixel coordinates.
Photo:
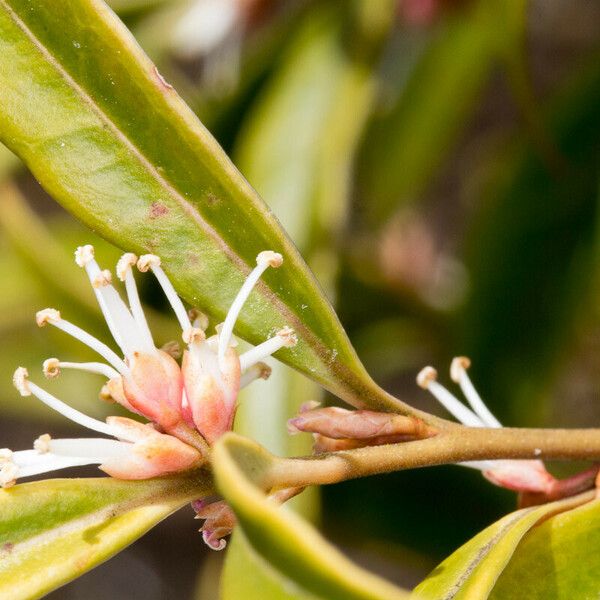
(458, 444)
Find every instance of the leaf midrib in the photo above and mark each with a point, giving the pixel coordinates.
(310, 338)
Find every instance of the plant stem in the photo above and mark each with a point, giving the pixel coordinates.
(450, 446)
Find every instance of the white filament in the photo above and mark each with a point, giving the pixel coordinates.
(476, 402)
(95, 344)
(172, 297)
(236, 307)
(456, 408)
(68, 411)
(262, 351)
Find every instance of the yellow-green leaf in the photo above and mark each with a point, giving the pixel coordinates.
(471, 572)
(53, 531)
(248, 575)
(560, 559)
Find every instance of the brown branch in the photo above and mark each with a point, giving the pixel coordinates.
(454, 445)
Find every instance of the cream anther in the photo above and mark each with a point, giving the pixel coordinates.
(458, 366)
(84, 254)
(8, 474)
(173, 349)
(125, 263)
(105, 394)
(193, 335)
(47, 315)
(42, 444)
(287, 335)
(264, 370)
(198, 318)
(51, 368)
(103, 279)
(426, 376)
(147, 261)
(21, 382)
(268, 257)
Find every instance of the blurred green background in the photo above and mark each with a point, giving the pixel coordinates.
(436, 161)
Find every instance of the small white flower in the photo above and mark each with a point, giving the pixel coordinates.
(519, 475)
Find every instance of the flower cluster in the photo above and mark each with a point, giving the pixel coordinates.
(188, 407)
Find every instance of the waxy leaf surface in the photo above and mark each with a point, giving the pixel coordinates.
(112, 141)
(560, 559)
(55, 530)
(471, 572)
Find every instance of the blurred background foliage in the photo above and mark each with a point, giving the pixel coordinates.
(436, 161)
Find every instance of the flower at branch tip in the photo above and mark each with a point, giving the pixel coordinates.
(188, 407)
(528, 476)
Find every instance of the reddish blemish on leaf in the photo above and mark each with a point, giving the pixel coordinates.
(157, 209)
(7, 547)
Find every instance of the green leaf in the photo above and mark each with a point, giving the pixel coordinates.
(560, 559)
(55, 530)
(248, 575)
(290, 545)
(471, 572)
(109, 139)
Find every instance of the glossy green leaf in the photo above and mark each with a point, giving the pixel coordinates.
(248, 575)
(560, 559)
(290, 545)
(471, 572)
(111, 140)
(55, 530)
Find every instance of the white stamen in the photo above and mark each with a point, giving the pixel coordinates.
(30, 462)
(284, 338)
(21, 382)
(49, 315)
(427, 380)
(120, 322)
(125, 273)
(259, 370)
(52, 367)
(98, 448)
(458, 374)
(263, 261)
(151, 261)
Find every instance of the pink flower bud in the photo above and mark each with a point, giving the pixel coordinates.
(155, 387)
(211, 389)
(152, 454)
